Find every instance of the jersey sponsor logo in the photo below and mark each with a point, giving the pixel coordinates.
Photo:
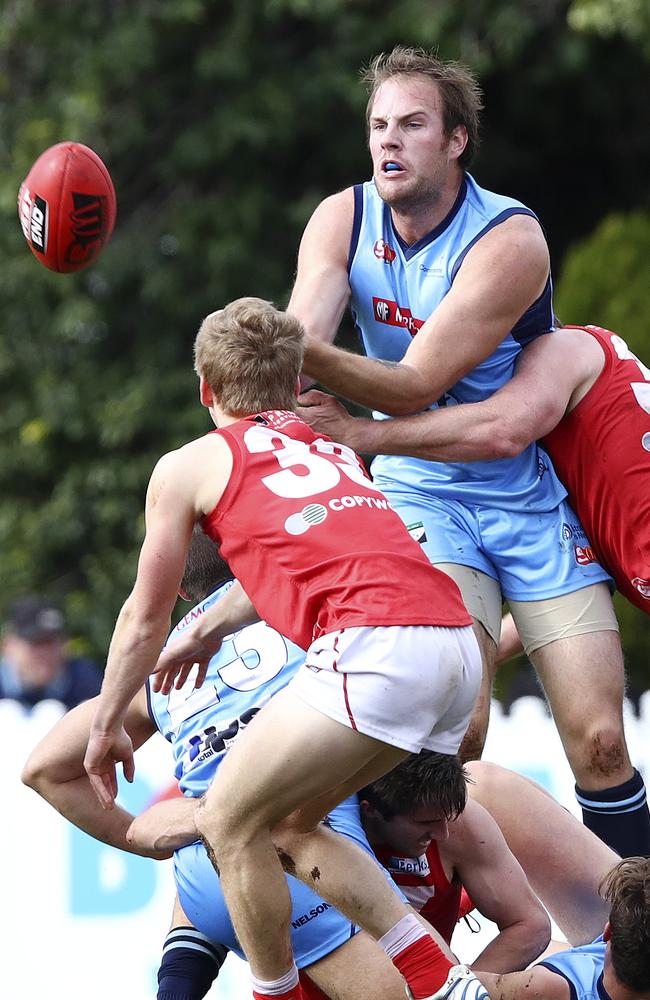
(417, 532)
(389, 312)
(303, 520)
(310, 915)
(584, 554)
(643, 586)
(409, 866)
(438, 272)
(383, 252)
(315, 513)
(211, 742)
(570, 531)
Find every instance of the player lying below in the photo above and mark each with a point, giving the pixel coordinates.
(614, 967)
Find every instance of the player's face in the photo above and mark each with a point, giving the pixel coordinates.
(410, 834)
(411, 155)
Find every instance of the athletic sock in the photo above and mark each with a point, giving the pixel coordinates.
(619, 816)
(416, 955)
(190, 964)
(287, 987)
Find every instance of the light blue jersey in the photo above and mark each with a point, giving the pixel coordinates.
(252, 665)
(583, 970)
(395, 288)
(507, 517)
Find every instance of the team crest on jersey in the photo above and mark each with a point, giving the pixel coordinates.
(383, 252)
(417, 532)
(643, 586)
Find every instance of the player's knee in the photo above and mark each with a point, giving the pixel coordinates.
(602, 752)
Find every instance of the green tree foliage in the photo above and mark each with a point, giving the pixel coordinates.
(604, 280)
(223, 124)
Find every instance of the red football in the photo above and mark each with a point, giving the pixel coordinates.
(67, 207)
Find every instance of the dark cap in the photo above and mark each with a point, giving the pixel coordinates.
(33, 619)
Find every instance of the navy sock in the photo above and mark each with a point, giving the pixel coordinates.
(189, 966)
(619, 816)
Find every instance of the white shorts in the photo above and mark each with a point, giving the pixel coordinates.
(411, 686)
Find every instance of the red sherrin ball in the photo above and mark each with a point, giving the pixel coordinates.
(67, 207)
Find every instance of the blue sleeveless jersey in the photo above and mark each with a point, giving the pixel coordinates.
(251, 666)
(395, 288)
(583, 970)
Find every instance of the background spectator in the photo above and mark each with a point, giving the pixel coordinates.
(35, 665)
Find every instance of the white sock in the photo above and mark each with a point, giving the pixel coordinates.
(277, 986)
(405, 932)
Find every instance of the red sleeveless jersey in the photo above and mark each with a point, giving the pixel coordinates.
(601, 452)
(314, 544)
(425, 884)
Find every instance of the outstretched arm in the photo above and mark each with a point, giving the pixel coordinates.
(180, 492)
(550, 373)
(55, 770)
(537, 983)
(501, 276)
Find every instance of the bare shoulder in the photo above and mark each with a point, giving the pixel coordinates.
(471, 835)
(519, 238)
(567, 353)
(548, 984)
(197, 471)
(331, 222)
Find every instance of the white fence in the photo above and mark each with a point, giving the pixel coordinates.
(79, 919)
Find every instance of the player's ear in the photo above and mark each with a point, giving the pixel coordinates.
(607, 933)
(205, 393)
(457, 142)
(367, 809)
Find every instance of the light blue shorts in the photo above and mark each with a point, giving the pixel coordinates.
(533, 556)
(316, 927)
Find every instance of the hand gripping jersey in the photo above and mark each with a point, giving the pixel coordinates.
(313, 541)
(395, 288)
(583, 970)
(425, 884)
(601, 451)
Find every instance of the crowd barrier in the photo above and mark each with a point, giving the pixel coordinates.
(80, 919)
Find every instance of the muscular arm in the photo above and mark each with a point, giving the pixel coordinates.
(55, 770)
(498, 887)
(185, 485)
(501, 276)
(537, 983)
(551, 373)
(321, 290)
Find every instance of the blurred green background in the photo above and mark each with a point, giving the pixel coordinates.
(223, 125)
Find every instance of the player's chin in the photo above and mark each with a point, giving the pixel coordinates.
(394, 194)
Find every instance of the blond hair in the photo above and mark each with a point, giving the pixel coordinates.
(250, 354)
(461, 95)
